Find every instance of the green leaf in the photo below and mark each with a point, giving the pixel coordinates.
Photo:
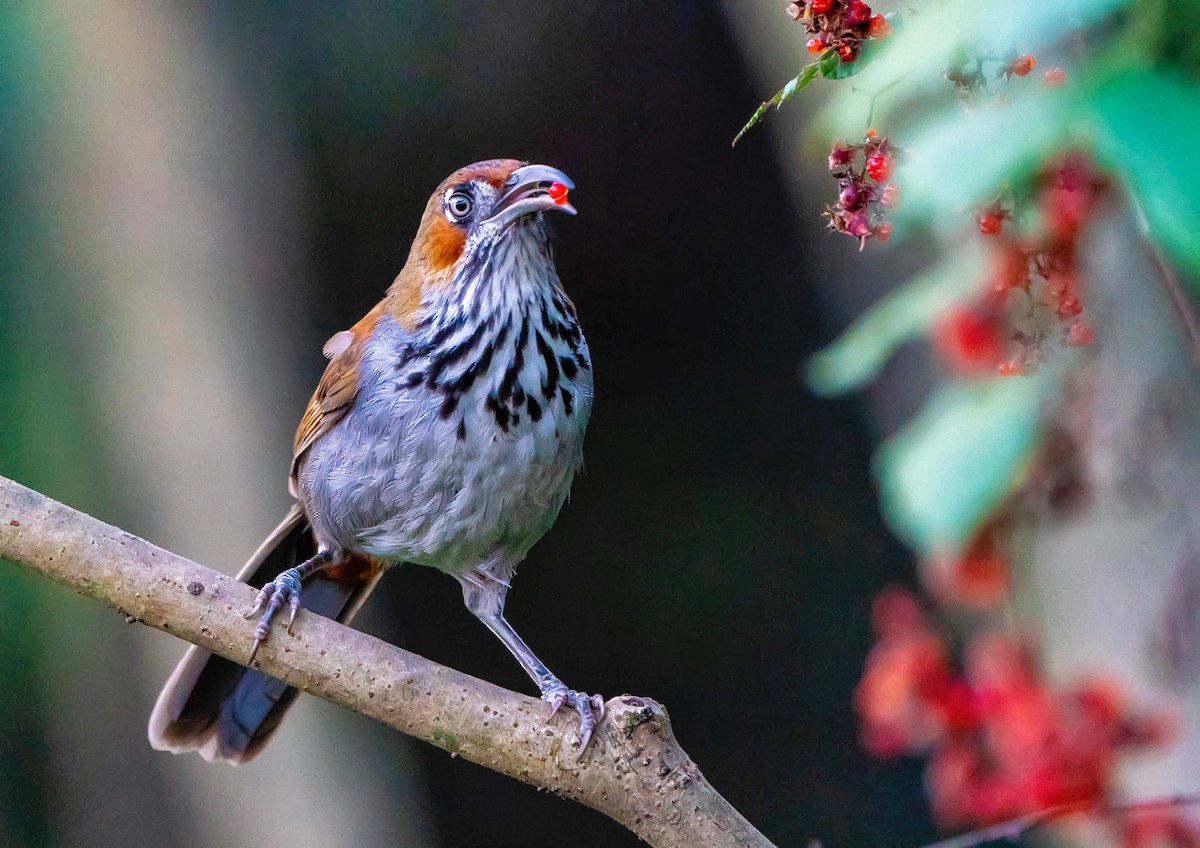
(796, 83)
(956, 461)
(961, 160)
(829, 64)
(856, 357)
(1146, 127)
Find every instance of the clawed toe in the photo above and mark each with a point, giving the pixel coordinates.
(589, 707)
(284, 589)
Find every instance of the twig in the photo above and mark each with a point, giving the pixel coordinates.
(1179, 301)
(1014, 829)
(634, 771)
(875, 95)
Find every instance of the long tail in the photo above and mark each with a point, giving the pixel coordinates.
(227, 711)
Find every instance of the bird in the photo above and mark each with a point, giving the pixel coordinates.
(445, 432)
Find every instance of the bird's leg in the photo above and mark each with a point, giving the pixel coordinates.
(284, 589)
(484, 597)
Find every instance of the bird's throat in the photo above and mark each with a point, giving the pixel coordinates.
(503, 338)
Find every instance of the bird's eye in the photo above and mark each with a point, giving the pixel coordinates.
(459, 206)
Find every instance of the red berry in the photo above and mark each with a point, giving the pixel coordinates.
(858, 16)
(848, 53)
(1011, 271)
(1079, 334)
(820, 7)
(840, 156)
(816, 44)
(1011, 368)
(884, 231)
(1022, 65)
(1069, 307)
(879, 27)
(1054, 77)
(879, 167)
(857, 226)
(990, 223)
(851, 197)
(558, 193)
(870, 132)
(890, 197)
(971, 339)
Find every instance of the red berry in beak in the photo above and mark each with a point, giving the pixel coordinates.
(558, 193)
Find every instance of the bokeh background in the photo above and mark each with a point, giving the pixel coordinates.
(195, 195)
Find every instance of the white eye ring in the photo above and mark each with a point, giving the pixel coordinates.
(459, 206)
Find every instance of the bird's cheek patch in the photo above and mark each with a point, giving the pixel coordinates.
(445, 245)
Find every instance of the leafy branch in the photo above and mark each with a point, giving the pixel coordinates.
(797, 83)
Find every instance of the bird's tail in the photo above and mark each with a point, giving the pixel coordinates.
(226, 711)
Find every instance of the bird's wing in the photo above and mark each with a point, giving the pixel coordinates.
(336, 390)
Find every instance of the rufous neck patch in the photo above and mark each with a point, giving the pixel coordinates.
(442, 244)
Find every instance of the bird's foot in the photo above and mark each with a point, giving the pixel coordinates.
(284, 590)
(589, 707)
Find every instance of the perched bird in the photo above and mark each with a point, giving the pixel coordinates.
(445, 432)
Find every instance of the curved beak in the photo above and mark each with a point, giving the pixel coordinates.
(532, 188)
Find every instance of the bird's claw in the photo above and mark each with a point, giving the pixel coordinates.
(284, 589)
(589, 707)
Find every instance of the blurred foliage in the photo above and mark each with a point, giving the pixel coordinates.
(903, 315)
(953, 465)
(959, 456)
(1151, 150)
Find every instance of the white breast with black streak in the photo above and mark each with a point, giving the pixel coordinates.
(468, 430)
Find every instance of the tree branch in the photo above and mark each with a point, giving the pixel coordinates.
(634, 771)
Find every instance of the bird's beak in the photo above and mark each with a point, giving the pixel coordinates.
(533, 188)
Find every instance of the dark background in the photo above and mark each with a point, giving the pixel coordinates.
(721, 550)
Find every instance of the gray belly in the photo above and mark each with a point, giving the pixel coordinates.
(396, 480)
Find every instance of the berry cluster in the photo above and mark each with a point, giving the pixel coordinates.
(1032, 302)
(1002, 742)
(966, 72)
(864, 191)
(841, 25)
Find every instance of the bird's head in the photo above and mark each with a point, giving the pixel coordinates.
(476, 210)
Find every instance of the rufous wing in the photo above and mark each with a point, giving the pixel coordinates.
(336, 390)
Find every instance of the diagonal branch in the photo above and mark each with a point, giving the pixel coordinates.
(634, 771)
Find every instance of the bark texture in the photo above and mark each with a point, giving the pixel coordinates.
(634, 771)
